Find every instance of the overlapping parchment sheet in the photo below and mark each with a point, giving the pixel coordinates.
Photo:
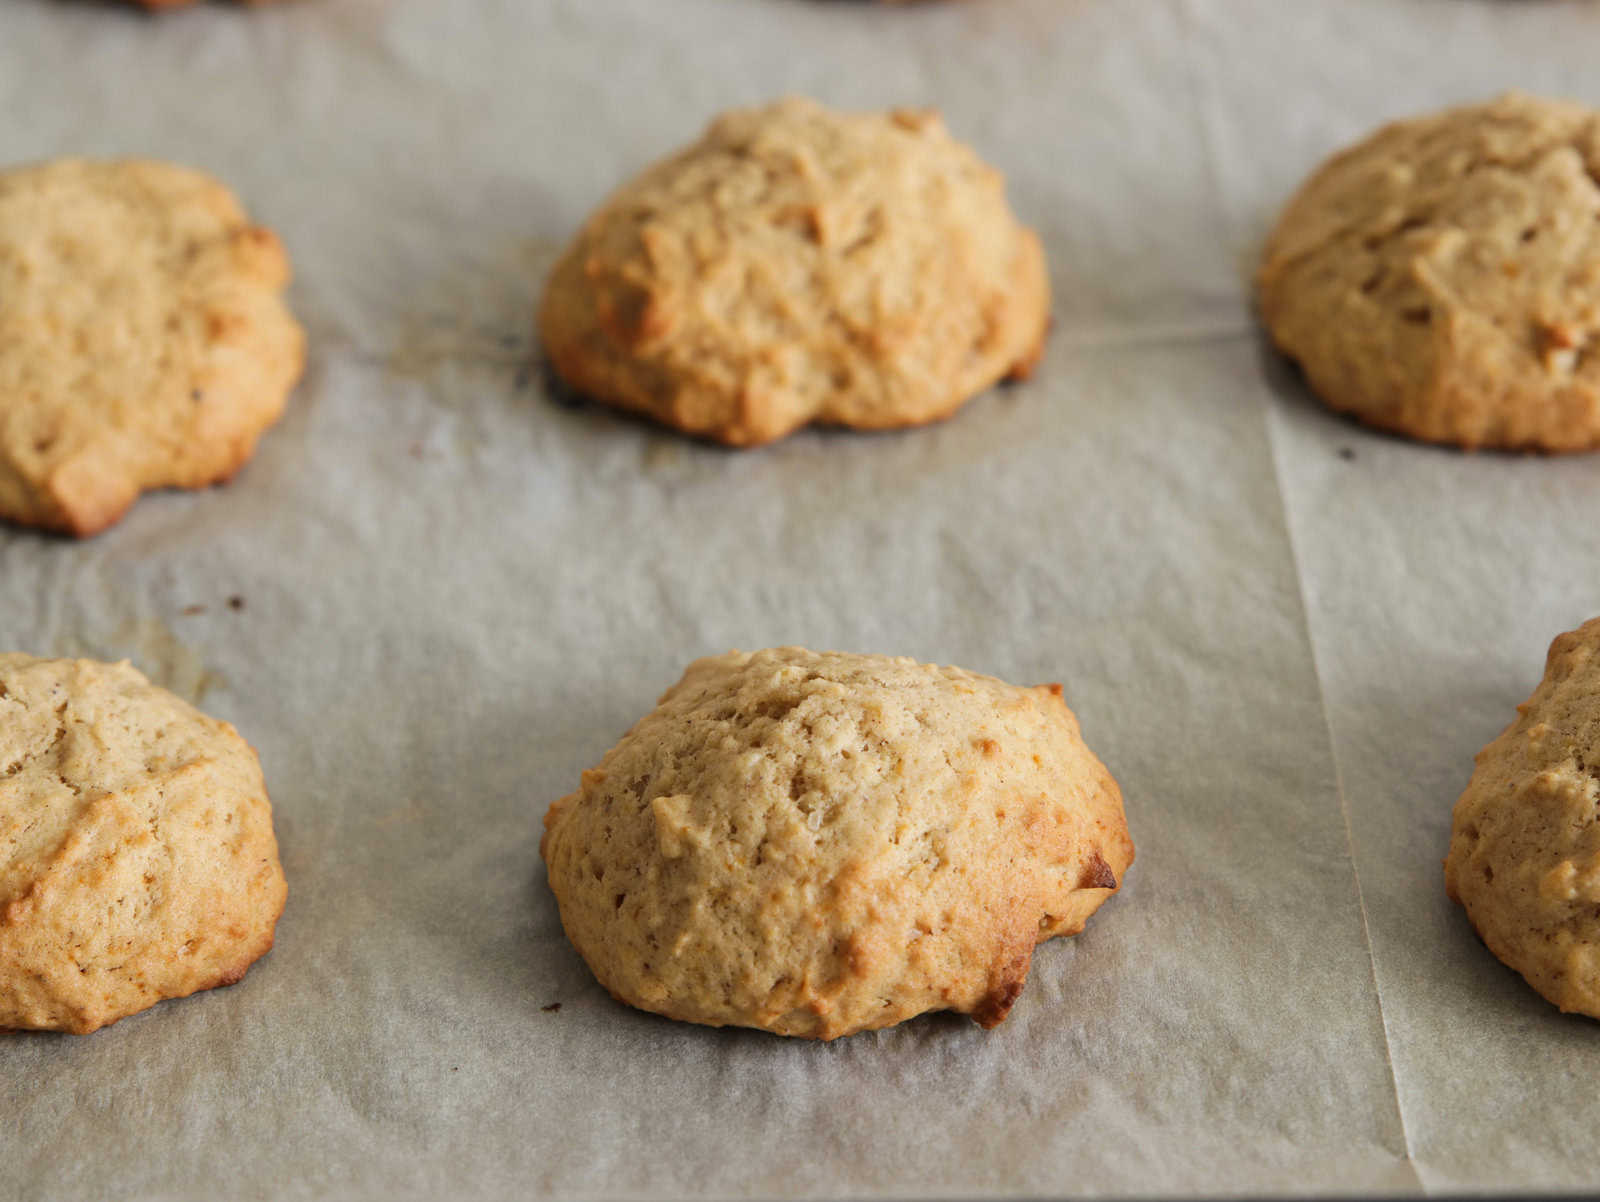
(437, 595)
(1434, 583)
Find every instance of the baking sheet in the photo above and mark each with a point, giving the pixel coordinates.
(437, 594)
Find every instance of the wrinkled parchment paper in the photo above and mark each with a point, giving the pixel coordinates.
(437, 594)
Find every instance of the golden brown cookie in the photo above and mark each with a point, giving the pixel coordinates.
(796, 265)
(818, 844)
(1441, 279)
(1525, 848)
(144, 341)
(137, 860)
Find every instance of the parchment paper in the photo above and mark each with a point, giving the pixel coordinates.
(437, 594)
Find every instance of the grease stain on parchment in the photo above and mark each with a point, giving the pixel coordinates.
(152, 647)
(429, 342)
(664, 455)
(409, 813)
(485, 320)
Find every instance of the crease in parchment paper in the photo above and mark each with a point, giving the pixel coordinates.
(1204, 109)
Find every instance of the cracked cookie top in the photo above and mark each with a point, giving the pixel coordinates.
(1524, 856)
(137, 858)
(799, 264)
(821, 843)
(1441, 279)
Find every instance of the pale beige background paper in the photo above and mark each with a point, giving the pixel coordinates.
(454, 593)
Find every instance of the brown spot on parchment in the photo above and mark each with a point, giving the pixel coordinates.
(152, 647)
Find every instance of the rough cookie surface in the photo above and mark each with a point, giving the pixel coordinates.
(137, 859)
(817, 844)
(1441, 279)
(800, 265)
(1525, 848)
(144, 342)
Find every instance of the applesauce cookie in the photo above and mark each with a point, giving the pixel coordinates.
(1524, 856)
(137, 860)
(796, 265)
(144, 342)
(1441, 279)
(818, 844)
